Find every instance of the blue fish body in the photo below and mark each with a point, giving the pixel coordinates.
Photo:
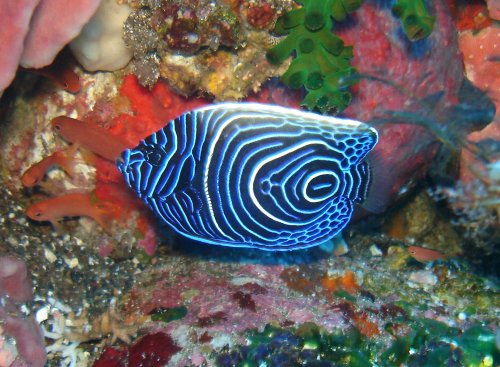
(253, 175)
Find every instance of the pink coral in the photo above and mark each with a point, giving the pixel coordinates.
(14, 280)
(29, 339)
(15, 286)
(37, 30)
(53, 24)
(17, 14)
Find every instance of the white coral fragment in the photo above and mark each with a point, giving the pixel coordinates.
(100, 45)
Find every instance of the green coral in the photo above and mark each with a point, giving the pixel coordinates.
(436, 344)
(322, 63)
(428, 343)
(416, 21)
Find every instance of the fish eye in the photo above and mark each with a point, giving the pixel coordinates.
(38, 214)
(155, 157)
(57, 127)
(152, 155)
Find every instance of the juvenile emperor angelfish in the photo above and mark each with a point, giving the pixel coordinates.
(253, 175)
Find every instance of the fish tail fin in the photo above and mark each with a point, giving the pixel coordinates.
(88, 157)
(57, 226)
(381, 183)
(66, 159)
(106, 212)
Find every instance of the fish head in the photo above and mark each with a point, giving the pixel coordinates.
(139, 165)
(32, 176)
(70, 81)
(38, 212)
(65, 127)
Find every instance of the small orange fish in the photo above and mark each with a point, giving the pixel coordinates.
(72, 205)
(89, 136)
(62, 158)
(425, 255)
(61, 72)
(65, 77)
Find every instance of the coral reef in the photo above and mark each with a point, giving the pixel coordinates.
(420, 222)
(470, 15)
(322, 63)
(182, 27)
(384, 73)
(386, 302)
(33, 38)
(14, 281)
(481, 65)
(393, 310)
(473, 198)
(494, 9)
(137, 112)
(476, 207)
(66, 333)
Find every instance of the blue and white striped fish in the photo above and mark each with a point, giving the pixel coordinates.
(253, 175)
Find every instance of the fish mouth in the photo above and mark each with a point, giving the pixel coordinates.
(120, 164)
(123, 161)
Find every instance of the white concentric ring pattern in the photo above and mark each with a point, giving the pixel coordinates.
(253, 175)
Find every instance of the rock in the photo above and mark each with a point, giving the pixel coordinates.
(423, 277)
